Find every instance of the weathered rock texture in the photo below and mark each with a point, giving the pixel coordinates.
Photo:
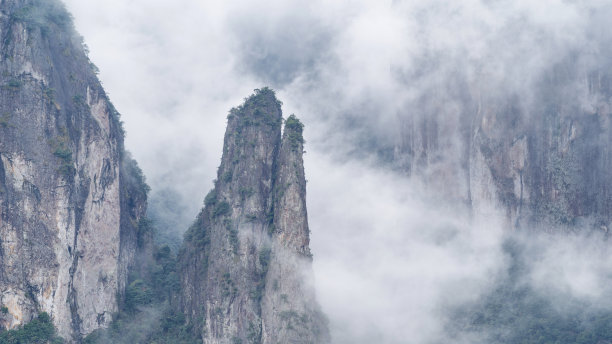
(246, 266)
(543, 157)
(70, 197)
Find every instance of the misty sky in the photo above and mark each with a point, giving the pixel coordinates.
(386, 257)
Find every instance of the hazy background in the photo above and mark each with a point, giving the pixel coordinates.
(390, 259)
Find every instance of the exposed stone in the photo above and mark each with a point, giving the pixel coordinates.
(67, 223)
(540, 163)
(246, 267)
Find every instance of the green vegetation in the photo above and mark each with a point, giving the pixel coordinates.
(522, 315)
(164, 275)
(66, 171)
(62, 151)
(245, 193)
(4, 310)
(5, 120)
(146, 316)
(42, 14)
(271, 229)
(13, 85)
(148, 326)
(293, 132)
(228, 287)
(293, 319)
(264, 259)
(211, 198)
(49, 94)
(233, 235)
(234, 241)
(157, 285)
(60, 148)
(221, 209)
(270, 217)
(264, 262)
(261, 93)
(227, 177)
(79, 101)
(513, 312)
(198, 234)
(261, 108)
(287, 315)
(134, 174)
(145, 231)
(253, 333)
(94, 68)
(116, 116)
(38, 331)
(138, 293)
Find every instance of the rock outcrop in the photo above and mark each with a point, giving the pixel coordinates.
(70, 196)
(542, 159)
(246, 270)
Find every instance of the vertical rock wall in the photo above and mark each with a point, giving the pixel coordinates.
(541, 161)
(65, 211)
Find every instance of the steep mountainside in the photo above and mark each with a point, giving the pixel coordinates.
(543, 158)
(70, 196)
(246, 265)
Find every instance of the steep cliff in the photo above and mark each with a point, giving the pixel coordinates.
(246, 264)
(70, 196)
(543, 157)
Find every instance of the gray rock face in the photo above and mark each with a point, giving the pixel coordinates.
(542, 161)
(70, 197)
(246, 266)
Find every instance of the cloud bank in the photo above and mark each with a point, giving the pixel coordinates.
(391, 259)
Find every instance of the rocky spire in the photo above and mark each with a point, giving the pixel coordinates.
(246, 266)
(289, 309)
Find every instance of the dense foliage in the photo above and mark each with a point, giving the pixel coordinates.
(42, 14)
(38, 331)
(147, 315)
(515, 312)
(256, 110)
(293, 131)
(150, 325)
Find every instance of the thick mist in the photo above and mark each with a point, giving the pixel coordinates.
(393, 260)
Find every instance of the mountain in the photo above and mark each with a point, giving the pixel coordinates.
(245, 270)
(76, 249)
(71, 198)
(77, 254)
(541, 159)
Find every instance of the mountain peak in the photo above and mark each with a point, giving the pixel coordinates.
(247, 262)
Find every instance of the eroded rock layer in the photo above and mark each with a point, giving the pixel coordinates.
(246, 266)
(70, 197)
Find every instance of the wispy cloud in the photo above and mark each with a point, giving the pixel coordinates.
(390, 257)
